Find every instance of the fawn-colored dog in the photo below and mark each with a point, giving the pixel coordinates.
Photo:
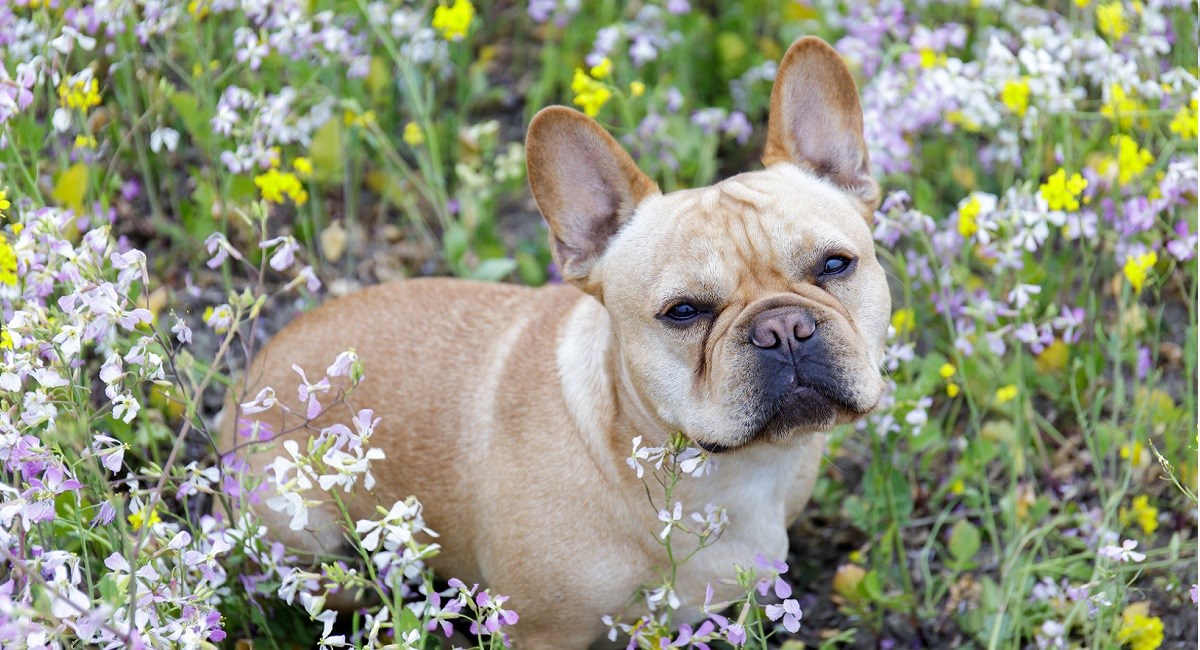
(749, 315)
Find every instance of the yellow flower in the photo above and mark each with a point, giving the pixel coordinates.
(1120, 107)
(1006, 393)
(1082, 3)
(1184, 123)
(350, 118)
(602, 69)
(637, 88)
(959, 118)
(199, 9)
(947, 371)
(968, 215)
(454, 21)
(1015, 95)
(303, 166)
(1142, 513)
(140, 518)
(4, 204)
(952, 389)
(1137, 269)
(1062, 193)
(1131, 159)
(903, 320)
(6, 341)
(413, 135)
(930, 58)
(958, 486)
(8, 263)
(81, 94)
(1110, 18)
(591, 95)
(1139, 630)
(275, 185)
(1134, 452)
(85, 142)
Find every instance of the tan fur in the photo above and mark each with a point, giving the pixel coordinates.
(509, 412)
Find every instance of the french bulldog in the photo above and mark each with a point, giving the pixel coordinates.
(750, 315)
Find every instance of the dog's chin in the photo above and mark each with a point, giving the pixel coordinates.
(803, 410)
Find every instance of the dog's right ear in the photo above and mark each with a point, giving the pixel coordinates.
(584, 183)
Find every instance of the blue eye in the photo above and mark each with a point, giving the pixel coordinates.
(682, 312)
(835, 265)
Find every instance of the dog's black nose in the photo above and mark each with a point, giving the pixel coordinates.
(782, 327)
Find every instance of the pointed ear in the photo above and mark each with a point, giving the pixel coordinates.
(816, 121)
(584, 183)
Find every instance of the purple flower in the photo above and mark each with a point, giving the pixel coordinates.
(678, 7)
(774, 578)
(1145, 362)
(789, 610)
(1184, 247)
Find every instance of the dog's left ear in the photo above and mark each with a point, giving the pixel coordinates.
(816, 121)
(584, 183)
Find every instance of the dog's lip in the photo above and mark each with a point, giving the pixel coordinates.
(713, 448)
(809, 391)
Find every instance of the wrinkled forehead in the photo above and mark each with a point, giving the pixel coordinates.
(755, 229)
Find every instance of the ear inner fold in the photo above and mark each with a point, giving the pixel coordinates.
(816, 120)
(585, 185)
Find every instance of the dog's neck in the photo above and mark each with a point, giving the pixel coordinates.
(598, 391)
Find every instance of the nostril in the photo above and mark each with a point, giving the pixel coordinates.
(764, 336)
(804, 328)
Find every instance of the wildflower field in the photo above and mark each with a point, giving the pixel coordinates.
(181, 178)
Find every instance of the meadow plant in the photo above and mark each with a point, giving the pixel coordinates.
(177, 179)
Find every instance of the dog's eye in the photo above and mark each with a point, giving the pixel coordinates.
(682, 312)
(835, 265)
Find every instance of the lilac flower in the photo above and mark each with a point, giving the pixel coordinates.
(1070, 323)
(285, 255)
(775, 569)
(220, 249)
(1183, 248)
(308, 391)
(789, 610)
(736, 126)
(1145, 362)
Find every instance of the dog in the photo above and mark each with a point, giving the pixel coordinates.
(750, 316)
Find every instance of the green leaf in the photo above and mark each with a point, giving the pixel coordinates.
(195, 119)
(325, 152)
(454, 243)
(531, 270)
(494, 269)
(964, 543)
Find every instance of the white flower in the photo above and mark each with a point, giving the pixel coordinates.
(164, 136)
(181, 331)
(292, 504)
(264, 401)
(669, 518)
(125, 407)
(342, 364)
(696, 462)
(1022, 293)
(1123, 553)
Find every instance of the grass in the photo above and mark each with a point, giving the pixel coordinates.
(1043, 352)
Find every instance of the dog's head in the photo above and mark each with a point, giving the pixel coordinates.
(751, 309)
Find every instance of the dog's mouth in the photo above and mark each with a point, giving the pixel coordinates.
(805, 407)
